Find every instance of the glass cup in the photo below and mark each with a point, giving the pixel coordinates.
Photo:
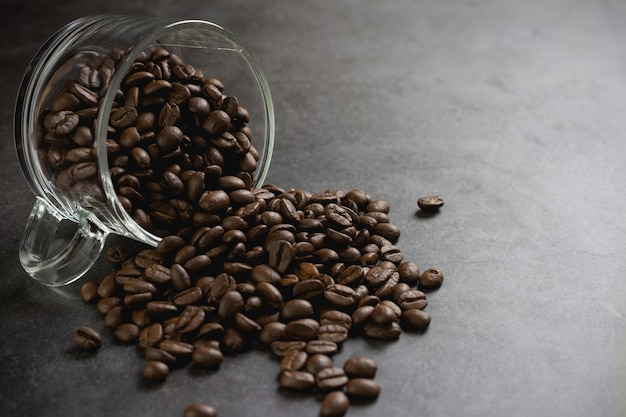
(75, 96)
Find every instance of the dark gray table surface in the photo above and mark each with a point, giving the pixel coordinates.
(513, 111)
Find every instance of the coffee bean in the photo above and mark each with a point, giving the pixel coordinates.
(335, 404)
(89, 291)
(281, 347)
(430, 203)
(151, 335)
(363, 388)
(360, 367)
(127, 333)
(302, 329)
(412, 299)
(415, 319)
(330, 379)
(379, 331)
(231, 303)
(320, 346)
(296, 380)
(207, 358)
(87, 339)
(431, 279)
(155, 371)
(333, 332)
(156, 354)
(409, 272)
(297, 308)
(199, 410)
(294, 360)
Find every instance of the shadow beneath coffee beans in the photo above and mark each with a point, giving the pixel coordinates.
(421, 214)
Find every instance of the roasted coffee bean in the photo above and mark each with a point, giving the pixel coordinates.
(123, 117)
(340, 295)
(233, 341)
(281, 255)
(334, 404)
(189, 296)
(377, 275)
(271, 332)
(330, 379)
(430, 203)
(213, 330)
(138, 285)
(297, 308)
(294, 360)
(281, 347)
(415, 319)
(296, 380)
(207, 357)
(317, 362)
(383, 314)
(360, 367)
(363, 388)
(412, 299)
(199, 410)
(179, 277)
(270, 294)
(302, 329)
(336, 317)
(127, 333)
(333, 333)
(409, 272)
(105, 304)
(148, 257)
(230, 304)
(176, 348)
(155, 371)
(431, 279)
(151, 336)
(89, 291)
(87, 339)
(157, 274)
(156, 354)
(379, 331)
(309, 289)
(114, 317)
(190, 319)
(325, 347)
(161, 308)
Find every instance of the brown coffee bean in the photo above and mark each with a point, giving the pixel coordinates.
(383, 314)
(270, 294)
(317, 362)
(87, 339)
(333, 333)
(325, 347)
(360, 367)
(415, 319)
(89, 291)
(431, 279)
(363, 388)
(206, 357)
(412, 299)
(281, 347)
(297, 308)
(409, 272)
(151, 336)
(430, 203)
(330, 379)
(302, 329)
(155, 371)
(379, 331)
(156, 354)
(294, 360)
(230, 304)
(127, 333)
(336, 317)
(199, 410)
(189, 296)
(334, 404)
(296, 380)
(114, 317)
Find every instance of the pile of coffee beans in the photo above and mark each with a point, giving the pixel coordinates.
(238, 267)
(172, 135)
(295, 272)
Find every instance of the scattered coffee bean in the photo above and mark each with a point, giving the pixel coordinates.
(363, 388)
(87, 339)
(430, 203)
(360, 367)
(200, 410)
(431, 279)
(155, 371)
(89, 291)
(335, 404)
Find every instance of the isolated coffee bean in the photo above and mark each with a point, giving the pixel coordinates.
(199, 410)
(127, 333)
(430, 203)
(409, 272)
(87, 339)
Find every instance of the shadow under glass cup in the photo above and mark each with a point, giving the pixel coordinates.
(76, 185)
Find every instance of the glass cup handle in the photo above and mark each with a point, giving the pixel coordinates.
(72, 261)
